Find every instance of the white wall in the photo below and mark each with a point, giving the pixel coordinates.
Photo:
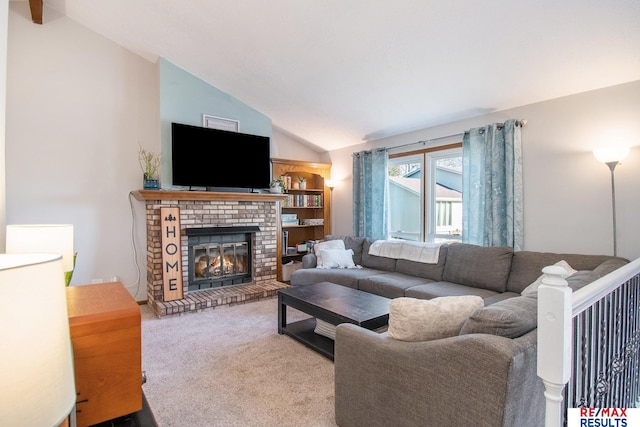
(4, 23)
(286, 146)
(567, 193)
(184, 98)
(77, 107)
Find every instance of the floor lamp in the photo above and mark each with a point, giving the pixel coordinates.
(612, 156)
(36, 363)
(331, 184)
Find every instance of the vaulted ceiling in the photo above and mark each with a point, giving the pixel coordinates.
(337, 72)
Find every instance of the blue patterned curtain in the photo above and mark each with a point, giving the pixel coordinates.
(370, 194)
(492, 186)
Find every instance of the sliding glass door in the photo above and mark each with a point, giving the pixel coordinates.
(406, 198)
(425, 195)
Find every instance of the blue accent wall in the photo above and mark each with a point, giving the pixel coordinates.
(184, 98)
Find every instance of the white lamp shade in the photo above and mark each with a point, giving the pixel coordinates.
(611, 154)
(37, 385)
(43, 239)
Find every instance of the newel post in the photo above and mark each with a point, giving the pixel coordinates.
(554, 340)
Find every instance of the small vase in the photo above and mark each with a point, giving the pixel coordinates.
(303, 185)
(150, 184)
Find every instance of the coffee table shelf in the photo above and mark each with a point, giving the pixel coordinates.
(303, 331)
(331, 303)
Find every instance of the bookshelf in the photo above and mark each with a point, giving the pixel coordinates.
(305, 213)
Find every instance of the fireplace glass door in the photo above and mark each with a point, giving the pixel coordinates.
(220, 259)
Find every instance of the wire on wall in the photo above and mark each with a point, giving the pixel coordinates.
(133, 245)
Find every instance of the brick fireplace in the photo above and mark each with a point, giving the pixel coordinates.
(259, 213)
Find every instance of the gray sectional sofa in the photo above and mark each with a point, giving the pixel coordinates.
(484, 376)
(494, 274)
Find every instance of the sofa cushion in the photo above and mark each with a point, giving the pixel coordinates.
(421, 269)
(532, 289)
(309, 261)
(377, 262)
(341, 276)
(526, 266)
(609, 265)
(478, 266)
(445, 289)
(510, 318)
(413, 319)
(336, 258)
(390, 285)
(581, 278)
(499, 296)
(353, 243)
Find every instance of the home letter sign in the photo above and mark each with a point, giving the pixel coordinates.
(171, 254)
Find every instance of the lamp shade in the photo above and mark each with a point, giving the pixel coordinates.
(42, 238)
(36, 367)
(611, 154)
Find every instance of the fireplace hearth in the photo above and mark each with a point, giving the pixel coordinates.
(219, 256)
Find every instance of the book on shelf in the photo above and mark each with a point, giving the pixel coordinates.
(289, 220)
(312, 221)
(303, 200)
(285, 241)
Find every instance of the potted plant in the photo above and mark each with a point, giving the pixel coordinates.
(303, 182)
(150, 164)
(278, 185)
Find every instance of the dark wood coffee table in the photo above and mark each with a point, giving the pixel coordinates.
(332, 303)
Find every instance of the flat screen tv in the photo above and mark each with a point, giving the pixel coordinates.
(218, 159)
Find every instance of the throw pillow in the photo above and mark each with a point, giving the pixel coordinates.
(510, 318)
(336, 258)
(327, 244)
(412, 319)
(532, 289)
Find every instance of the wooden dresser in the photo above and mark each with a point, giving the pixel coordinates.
(104, 320)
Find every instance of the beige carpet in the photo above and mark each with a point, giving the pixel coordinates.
(229, 367)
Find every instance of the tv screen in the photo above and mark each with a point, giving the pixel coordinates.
(218, 159)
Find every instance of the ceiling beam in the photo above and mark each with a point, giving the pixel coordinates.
(36, 11)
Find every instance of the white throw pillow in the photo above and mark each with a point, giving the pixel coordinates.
(336, 258)
(412, 319)
(532, 289)
(326, 245)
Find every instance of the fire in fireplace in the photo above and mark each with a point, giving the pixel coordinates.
(219, 256)
(220, 259)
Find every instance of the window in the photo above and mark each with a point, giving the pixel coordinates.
(425, 195)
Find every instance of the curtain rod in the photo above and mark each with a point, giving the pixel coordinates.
(424, 141)
(520, 123)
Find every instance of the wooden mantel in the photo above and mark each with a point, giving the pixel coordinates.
(144, 195)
